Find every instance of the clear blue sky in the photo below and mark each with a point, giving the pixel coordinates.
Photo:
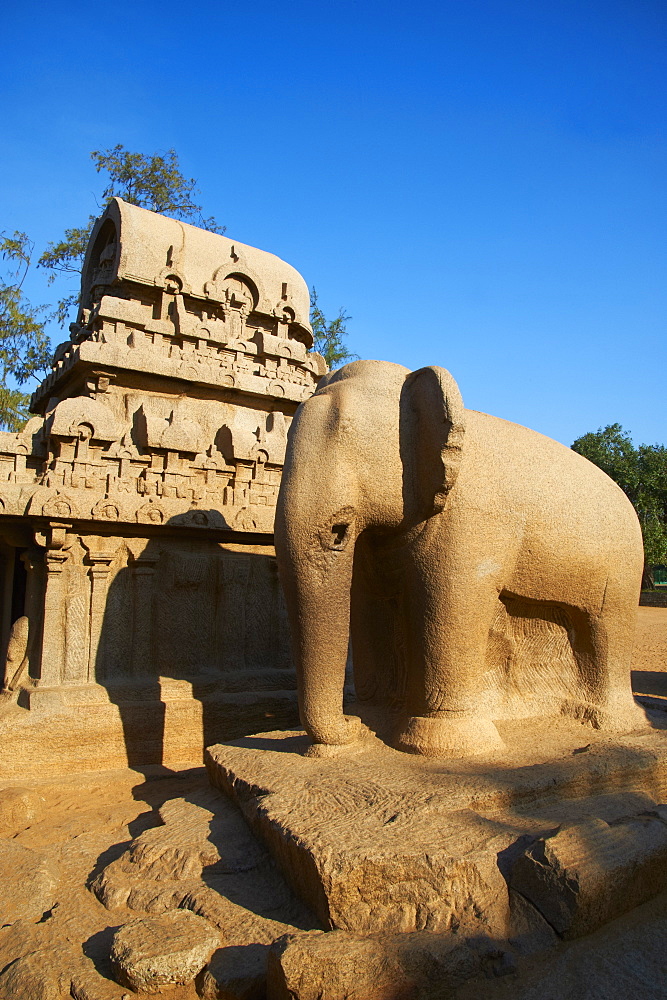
(480, 184)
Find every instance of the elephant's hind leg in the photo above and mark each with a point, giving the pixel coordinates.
(604, 653)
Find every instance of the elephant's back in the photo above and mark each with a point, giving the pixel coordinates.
(532, 461)
(570, 528)
(539, 477)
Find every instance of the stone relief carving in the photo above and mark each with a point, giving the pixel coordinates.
(173, 308)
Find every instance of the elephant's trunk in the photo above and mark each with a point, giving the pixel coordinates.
(317, 593)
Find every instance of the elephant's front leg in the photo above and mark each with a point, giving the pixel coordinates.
(446, 715)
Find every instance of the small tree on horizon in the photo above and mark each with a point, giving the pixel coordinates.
(642, 475)
(330, 335)
(24, 345)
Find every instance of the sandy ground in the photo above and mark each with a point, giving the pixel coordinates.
(651, 642)
(86, 821)
(649, 661)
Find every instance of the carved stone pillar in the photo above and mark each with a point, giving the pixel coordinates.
(19, 474)
(34, 591)
(7, 558)
(143, 571)
(53, 632)
(101, 553)
(235, 571)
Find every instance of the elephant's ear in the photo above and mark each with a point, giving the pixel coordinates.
(432, 426)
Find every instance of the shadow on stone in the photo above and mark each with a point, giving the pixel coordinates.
(98, 949)
(189, 643)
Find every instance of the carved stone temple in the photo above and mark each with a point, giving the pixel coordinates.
(142, 614)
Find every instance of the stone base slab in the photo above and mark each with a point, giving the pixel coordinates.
(375, 840)
(65, 730)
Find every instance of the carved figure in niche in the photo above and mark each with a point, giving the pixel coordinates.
(16, 663)
(244, 520)
(445, 514)
(108, 511)
(57, 507)
(150, 513)
(85, 433)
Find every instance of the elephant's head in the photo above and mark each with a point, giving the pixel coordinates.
(376, 448)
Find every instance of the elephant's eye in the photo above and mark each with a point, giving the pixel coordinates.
(334, 535)
(338, 535)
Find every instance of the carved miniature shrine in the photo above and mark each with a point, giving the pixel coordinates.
(139, 584)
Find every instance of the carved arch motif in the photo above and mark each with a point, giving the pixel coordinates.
(234, 288)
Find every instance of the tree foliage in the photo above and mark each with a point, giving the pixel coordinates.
(642, 475)
(330, 335)
(24, 345)
(148, 181)
(154, 182)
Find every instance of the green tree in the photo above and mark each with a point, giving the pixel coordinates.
(330, 335)
(642, 475)
(149, 181)
(24, 345)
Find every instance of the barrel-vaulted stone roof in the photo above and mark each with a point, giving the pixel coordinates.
(133, 244)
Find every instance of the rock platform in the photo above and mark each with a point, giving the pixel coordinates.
(115, 855)
(375, 841)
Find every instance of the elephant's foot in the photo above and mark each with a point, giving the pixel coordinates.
(449, 736)
(350, 737)
(334, 749)
(623, 715)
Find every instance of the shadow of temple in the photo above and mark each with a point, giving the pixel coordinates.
(194, 640)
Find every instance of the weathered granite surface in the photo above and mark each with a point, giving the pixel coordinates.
(165, 950)
(378, 841)
(178, 842)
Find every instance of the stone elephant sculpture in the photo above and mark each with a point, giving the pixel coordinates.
(485, 571)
